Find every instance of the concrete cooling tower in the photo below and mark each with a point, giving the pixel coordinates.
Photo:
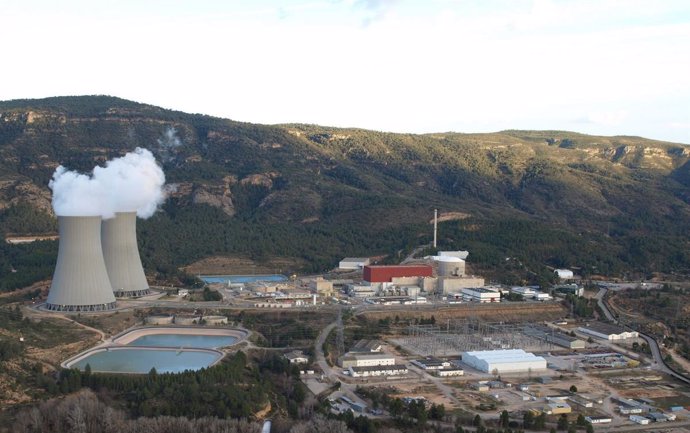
(121, 254)
(80, 281)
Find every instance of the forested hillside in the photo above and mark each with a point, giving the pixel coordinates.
(605, 205)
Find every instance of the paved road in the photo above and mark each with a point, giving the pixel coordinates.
(659, 363)
(318, 349)
(414, 252)
(600, 301)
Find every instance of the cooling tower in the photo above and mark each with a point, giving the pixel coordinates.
(80, 281)
(121, 254)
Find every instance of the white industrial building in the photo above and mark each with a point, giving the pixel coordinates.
(365, 360)
(480, 294)
(450, 371)
(564, 274)
(639, 419)
(459, 254)
(607, 331)
(378, 370)
(598, 419)
(353, 263)
(504, 361)
(530, 293)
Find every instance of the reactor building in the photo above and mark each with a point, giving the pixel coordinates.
(121, 255)
(80, 281)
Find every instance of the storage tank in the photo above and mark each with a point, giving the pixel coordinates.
(121, 254)
(80, 281)
(449, 266)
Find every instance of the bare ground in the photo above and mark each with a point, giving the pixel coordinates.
(237, 265)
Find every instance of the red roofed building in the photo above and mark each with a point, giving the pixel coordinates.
(385, 274)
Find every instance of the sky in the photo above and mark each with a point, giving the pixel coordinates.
(605, 67)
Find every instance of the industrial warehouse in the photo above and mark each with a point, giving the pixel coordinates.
(504, 361)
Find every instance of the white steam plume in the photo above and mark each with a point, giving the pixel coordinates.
(134, 182)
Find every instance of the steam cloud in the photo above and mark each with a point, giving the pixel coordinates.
(134, 182)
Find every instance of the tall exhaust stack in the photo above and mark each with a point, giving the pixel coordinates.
(435, 225)
(121, 254)
(80, 281)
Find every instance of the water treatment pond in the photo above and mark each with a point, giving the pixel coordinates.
(225, 279)
(182, 340)
(136, 360)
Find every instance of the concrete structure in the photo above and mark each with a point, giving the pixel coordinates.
(480, 294)
(580, 401)
(480, 386)
(504, 361)
(459, 254)
(385, 274)
(366, 346)
(353, 263)
(557, 408)
(121, 255)
(182, 319)
(365, 360)
(431, 363)
(627, 410)
(570, 288)
(450, 371)
(361, 291)
(530, 293)
(598, 419)
(658, 417)
(553, 336)
(449, 266)
(215, 320)
(607, 331)
(447, 285)
(322, 287)
(378, 370)
(159, 320)
(296, 357)
(564, 274)
(639, 419)
(80, 281)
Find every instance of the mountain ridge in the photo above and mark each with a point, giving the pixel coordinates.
(350, 191)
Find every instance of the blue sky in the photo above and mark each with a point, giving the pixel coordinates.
(610, 67)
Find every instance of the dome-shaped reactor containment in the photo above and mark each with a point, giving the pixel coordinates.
(450, 266)
(80, 281)
(121, 254)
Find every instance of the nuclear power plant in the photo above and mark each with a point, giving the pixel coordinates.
(121, 255)
(80, 281)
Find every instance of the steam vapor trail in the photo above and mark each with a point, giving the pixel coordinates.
(134, 182)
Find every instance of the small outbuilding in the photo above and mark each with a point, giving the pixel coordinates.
(353, 263)
(564, 274)
(607, 331)
(296, 357)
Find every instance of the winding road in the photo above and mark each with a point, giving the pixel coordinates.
(659, 363)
